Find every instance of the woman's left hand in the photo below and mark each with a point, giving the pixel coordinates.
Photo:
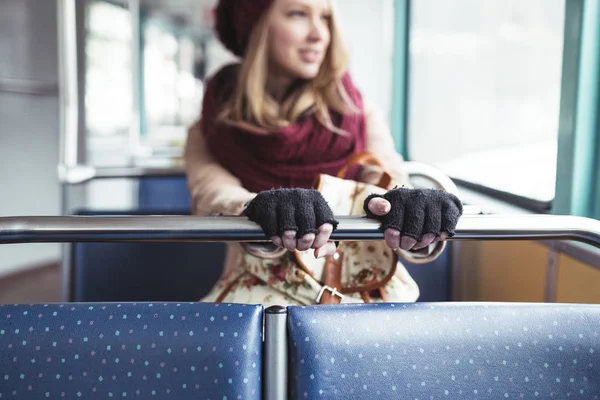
(415, 218)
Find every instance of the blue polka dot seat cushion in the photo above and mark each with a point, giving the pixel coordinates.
(102, 351)
(445, 351)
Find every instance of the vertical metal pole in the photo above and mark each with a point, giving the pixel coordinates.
(69, 99)
(551, 275)
(69, 116)
(135, 133)
(400, 76)
(456, 272)
(276, 354)
(65, 250)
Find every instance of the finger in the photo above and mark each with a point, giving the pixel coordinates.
(407, 242)
(268, 222)
(379, 206)
(323, 213)
(427, 239)
(323, 236)
(328, 249)
(305, 242)
(277, 241)
(305, 218)
(414, 218)
(289, 240)
(443, 236)
(392, 238)
(457, 202)
(433, 222)
(286, 220)
(395, 218)
(450, 216)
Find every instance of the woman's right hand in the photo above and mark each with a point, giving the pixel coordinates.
(296, 219)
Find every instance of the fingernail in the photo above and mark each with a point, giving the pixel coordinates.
(384, 208)
(320, 253)
(407, 243)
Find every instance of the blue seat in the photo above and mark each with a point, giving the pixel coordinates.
(169, 271)
(164, 193)
(101, 351)
(444, 350)
(434, 278)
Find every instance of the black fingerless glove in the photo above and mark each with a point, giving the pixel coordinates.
(416, 212)
(280, 210)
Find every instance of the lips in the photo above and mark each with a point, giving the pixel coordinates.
(310, 56)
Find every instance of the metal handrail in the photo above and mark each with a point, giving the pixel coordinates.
(240, 229)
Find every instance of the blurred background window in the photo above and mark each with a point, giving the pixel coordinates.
(171, 90)
(484, 91)
(108, 74)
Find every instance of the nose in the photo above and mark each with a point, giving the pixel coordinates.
(319, 29)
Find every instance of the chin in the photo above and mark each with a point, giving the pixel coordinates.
(307, 72)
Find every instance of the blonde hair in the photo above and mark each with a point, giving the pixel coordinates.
(250, 107)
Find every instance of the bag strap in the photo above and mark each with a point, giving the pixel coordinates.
(367, 158)
(333, 279)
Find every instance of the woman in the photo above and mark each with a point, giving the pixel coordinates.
(286, 113)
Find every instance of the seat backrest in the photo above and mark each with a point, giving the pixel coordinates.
(451, 350)
(146, 350)
(434, 278)
(169, 271)
(165, 193)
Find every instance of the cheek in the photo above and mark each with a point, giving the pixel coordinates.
(284, 41)
(279, 49)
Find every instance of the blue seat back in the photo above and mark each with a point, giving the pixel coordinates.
(170, 271)
(444, 350)
(101, 351)
(434, 278)
(164, 193)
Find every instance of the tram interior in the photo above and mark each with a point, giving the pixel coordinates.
(497, 100)
(478, 90)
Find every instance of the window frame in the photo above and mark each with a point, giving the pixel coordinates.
(578, 180)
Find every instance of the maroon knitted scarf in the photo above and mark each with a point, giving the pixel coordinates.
(291, 157)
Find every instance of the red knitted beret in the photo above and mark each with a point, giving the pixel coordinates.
(234, 21)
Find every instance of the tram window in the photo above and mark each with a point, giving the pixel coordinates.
(108, 71)
(484, 91)
(160, 76)
(172, 94)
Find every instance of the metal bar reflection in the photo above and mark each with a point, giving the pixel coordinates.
(239, 229)
(30, 87)
(85, 173)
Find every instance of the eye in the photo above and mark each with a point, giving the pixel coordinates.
(297, 13)
(326, 17)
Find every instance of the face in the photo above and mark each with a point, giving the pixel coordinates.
(299, 36)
